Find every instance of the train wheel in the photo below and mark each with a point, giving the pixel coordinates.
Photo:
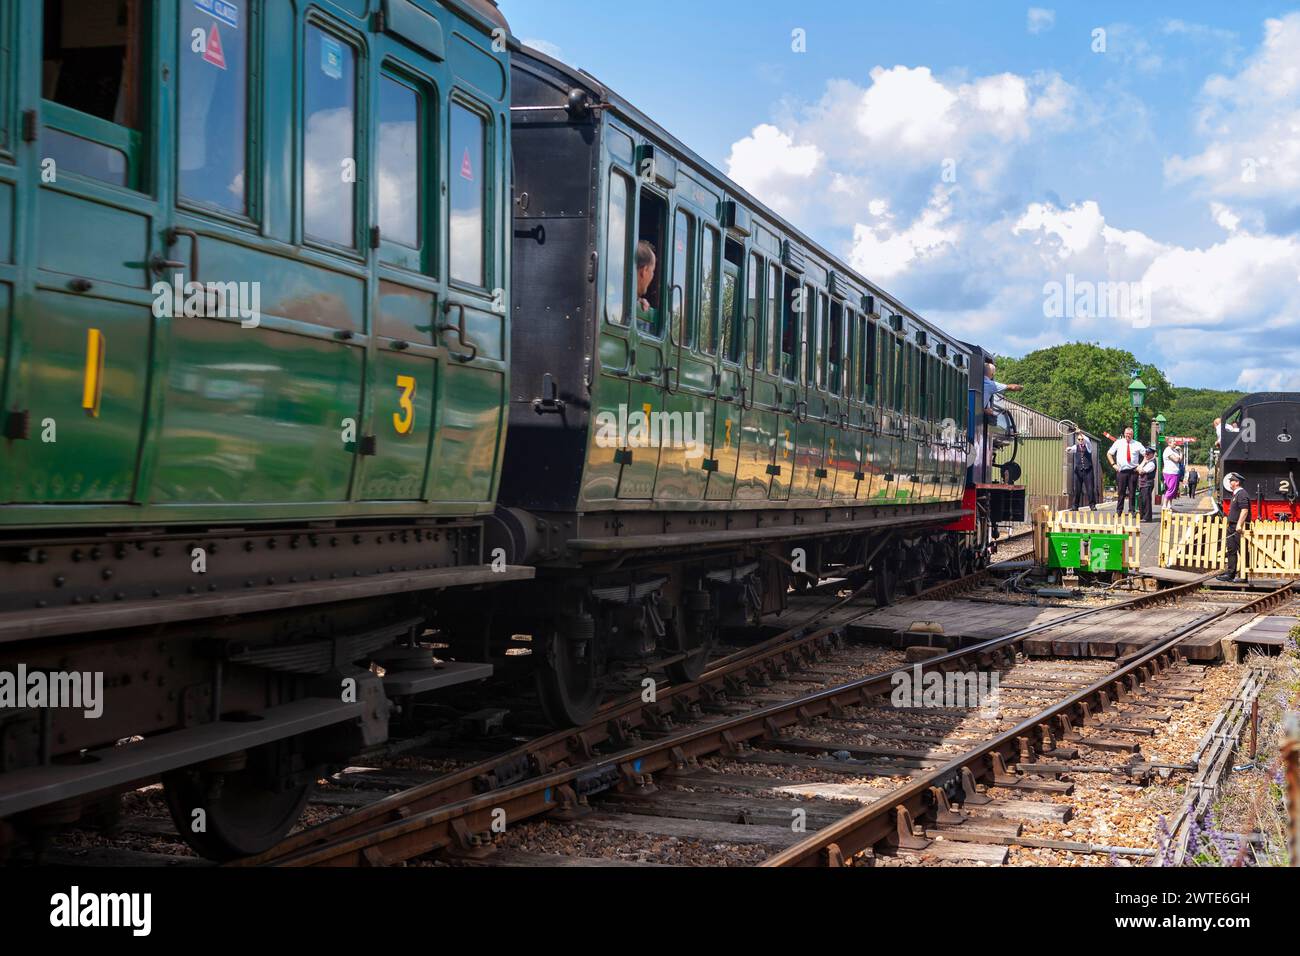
(695, 663)
(886, 579)
(694, 630)
(966, 563)
(567, 681)
(242, 814)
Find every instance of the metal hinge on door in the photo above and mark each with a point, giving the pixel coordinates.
(29, 126)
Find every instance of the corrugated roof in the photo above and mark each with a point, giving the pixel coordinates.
(1034, 424)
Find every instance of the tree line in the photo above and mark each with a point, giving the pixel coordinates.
(1087, 384)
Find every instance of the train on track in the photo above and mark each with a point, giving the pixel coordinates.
(1260, 440)
(353, 354)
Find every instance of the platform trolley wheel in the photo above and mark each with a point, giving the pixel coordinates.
(567, 675)
(242, 811)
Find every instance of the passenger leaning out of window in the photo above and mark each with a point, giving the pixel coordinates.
(992, 387)
(646, 261)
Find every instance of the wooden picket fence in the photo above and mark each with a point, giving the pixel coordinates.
(1095, 522)
(1192, 542)
(1271, 549)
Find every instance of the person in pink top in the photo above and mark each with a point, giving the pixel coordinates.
(1173, 457)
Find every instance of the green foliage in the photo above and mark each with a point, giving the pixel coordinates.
(1087, 384)
(1193, 413)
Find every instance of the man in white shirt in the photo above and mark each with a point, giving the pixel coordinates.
(1125, 456)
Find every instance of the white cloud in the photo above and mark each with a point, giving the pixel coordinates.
(939, 187)
(1225, 217)
(1040, 20)
(769, 163)
(1251, 124)
(883, 253)
(895, 137)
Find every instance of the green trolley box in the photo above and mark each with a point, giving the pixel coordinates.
(1092, 552)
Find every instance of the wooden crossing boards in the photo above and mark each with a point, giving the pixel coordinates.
(1107, 635)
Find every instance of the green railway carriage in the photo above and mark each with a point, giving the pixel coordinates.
(254, 354)
(340, 165)
(814, 389)
(683, 438)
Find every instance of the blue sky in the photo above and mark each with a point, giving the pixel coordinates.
(1022, 174)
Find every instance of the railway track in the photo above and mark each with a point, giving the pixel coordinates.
(441, 816)
(734, 682)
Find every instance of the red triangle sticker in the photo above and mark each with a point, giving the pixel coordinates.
(467, 167)
(213, 53)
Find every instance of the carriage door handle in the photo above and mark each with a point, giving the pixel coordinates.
(175, 233)
(461, 334)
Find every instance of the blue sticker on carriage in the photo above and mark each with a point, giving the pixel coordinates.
(223, 10)
(331, 58)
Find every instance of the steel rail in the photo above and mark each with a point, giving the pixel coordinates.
(615, 721)
(417, 828)
(891, 816)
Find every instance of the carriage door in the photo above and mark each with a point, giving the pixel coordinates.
(648, 368)
(406, 304)
(471, 320)
(727, 414)
(83, 341)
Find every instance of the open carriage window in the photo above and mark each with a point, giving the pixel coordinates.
(92, 59)
(650, 265)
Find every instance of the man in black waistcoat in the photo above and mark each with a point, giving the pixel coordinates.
(1085, 481)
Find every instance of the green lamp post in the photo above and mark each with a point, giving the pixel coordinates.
(1137, 392)
(1160, 424)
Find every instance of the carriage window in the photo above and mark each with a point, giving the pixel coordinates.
(774, 319)
(849, 362)
(92, 55)
(793, 309)
(467, 203)
(329, 139)
(401, 198)
(706, 340)
(618, 236)
(731, 325)
(754, 310)
(923, 384)
(882, 369)
(913, 381)
(814, 341)
(899, 374)
(683, 275)
(214, 105)
(835, 348)
(869, 361)
(650, 245)
(4, 81)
